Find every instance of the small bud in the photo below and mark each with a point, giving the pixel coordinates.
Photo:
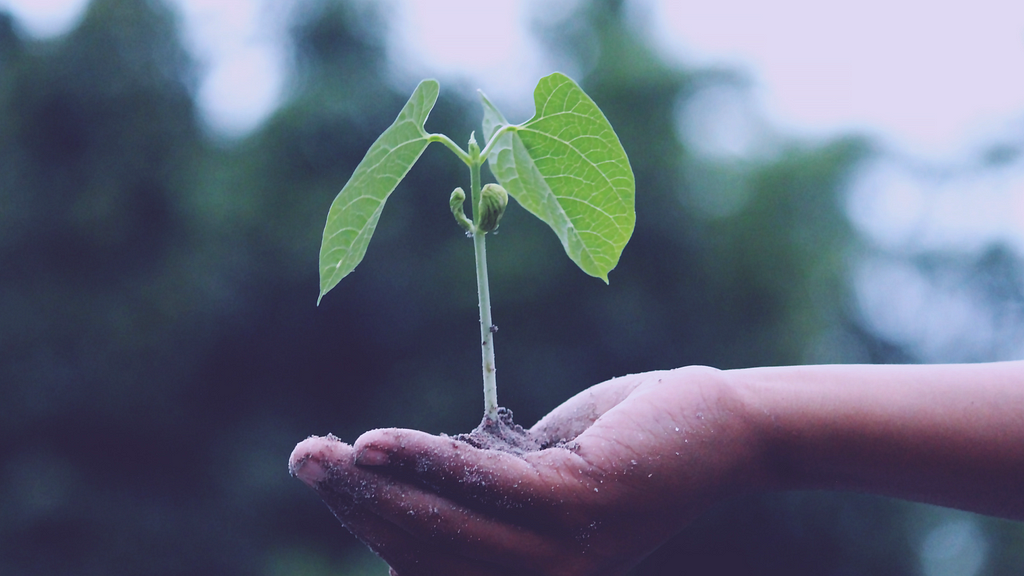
(456, 200)
(493, 200)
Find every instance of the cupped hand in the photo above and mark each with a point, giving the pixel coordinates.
(631, 461)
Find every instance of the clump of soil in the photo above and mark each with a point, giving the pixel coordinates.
(502, 434)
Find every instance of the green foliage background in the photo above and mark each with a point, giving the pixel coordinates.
(161, 351)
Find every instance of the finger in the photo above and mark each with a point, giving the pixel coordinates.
(404, 552)
(459, 530)
(325, 464)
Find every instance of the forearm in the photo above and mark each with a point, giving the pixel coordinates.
(946, 434)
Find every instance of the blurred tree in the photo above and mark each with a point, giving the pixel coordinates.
(952, 306)
(761, 283)
(97, 145)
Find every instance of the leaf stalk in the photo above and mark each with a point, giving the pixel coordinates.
(451, 145)
(494, 138)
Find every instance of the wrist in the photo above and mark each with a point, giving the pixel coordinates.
(719, 426)
(767, 406)
(757, 466)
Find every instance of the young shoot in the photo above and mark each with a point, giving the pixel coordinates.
(565, 165)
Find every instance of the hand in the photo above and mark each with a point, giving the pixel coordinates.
(640, 456)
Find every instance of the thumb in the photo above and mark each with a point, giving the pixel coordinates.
(577, 414)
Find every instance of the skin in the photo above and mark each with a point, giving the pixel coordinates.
(648, 453)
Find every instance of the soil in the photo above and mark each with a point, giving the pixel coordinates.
(503, 434)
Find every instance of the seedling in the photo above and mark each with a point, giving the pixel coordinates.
(565, 166)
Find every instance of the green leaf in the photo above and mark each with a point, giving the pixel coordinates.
(567, 167)
(354, 213)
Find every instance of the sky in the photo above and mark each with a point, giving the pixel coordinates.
(935, 83)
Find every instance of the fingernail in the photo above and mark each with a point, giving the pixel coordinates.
(372, 457)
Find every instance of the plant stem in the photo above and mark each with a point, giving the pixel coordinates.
(483, 292)
(486, 334)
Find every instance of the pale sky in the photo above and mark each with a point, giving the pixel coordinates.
(930, 76)
(932, 81)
